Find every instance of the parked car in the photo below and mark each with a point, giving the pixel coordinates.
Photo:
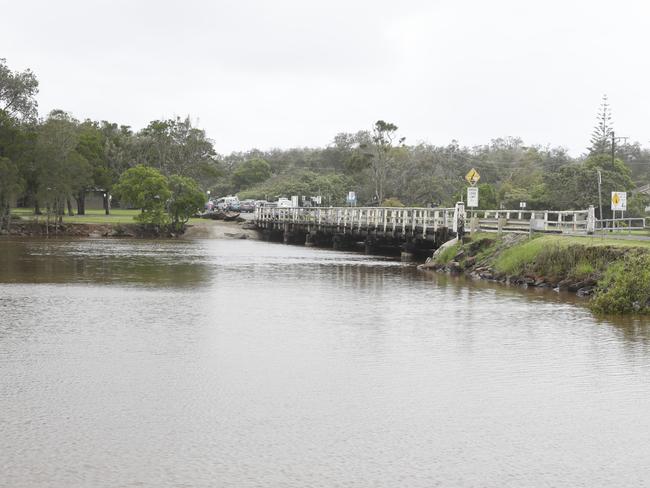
(247, 205)
(228, 203)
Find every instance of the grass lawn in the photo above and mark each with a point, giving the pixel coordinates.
(117, 216)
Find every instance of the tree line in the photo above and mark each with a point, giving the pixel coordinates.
(52, 163)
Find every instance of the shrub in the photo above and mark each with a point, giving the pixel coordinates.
(625, 288)
(392, 202)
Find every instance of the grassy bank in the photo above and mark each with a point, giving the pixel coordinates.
(615, 273)
(117, 216)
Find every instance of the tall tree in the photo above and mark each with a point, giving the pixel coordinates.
(17, 93)
(62, 171)
(174, 146)
(602, 133)
(379, 155)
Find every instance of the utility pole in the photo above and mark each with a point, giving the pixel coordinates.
(614, 139)
(600, 200)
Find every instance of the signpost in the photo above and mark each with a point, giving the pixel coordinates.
(352, 198)
(472, 196)
(522, 204)
(619, 200)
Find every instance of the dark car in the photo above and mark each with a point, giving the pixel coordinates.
(247, 206)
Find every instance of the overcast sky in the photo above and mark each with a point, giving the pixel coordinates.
(289, 73)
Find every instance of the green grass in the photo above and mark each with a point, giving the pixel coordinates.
(596, 240)
(573, 257)
(515, 259)
(447, 254)
(117, 216)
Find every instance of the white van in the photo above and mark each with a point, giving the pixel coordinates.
(228, 203)
(284, 203)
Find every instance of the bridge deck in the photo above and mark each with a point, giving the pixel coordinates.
(404, 221)
(423, 222)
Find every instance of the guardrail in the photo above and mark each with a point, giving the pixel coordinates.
(386, 219)
(566, 221)
(621, 224)
(413, 220)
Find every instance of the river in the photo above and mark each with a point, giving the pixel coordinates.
(217, 363)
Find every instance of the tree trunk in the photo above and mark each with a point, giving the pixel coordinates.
(81, 202)
(69, 203)
(107, 204)
(60, 210)
(5, 215)
(37, 208)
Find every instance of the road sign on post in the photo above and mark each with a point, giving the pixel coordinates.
(522, 204)
(619, 200)
(352, 198)
(472, 177)
(472, 196)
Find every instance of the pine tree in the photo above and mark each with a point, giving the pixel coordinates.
(602, 134)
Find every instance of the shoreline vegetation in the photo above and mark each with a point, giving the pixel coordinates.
(613, 274)
(120, 223)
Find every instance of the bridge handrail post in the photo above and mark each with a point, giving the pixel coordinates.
(459, 220)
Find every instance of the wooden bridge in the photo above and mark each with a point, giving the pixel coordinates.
(408, 229)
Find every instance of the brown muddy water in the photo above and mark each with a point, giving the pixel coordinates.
(216, 363)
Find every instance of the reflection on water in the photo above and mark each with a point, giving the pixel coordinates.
(238, 363)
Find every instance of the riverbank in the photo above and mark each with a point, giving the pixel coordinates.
(614, 274)
(198, 229)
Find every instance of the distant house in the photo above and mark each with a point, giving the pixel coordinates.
(95, 199)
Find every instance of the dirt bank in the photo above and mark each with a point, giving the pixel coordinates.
(219, 229)
(208, 229)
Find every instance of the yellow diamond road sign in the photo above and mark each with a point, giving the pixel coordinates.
(619, 200)
(472, 177)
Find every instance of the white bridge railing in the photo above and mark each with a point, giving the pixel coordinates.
(386, 219)
(565, 221)
(422, 220)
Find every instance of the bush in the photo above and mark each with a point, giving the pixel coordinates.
(625, 288)
(392, 202)
(146, 189)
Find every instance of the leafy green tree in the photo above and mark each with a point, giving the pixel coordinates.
(487, 197)
(379, 155)
(251, 172)
(91, 146)
(186, 200)
(17, 93)
(576, 186)
(175, 147)
(62, 170)
(147, 189)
